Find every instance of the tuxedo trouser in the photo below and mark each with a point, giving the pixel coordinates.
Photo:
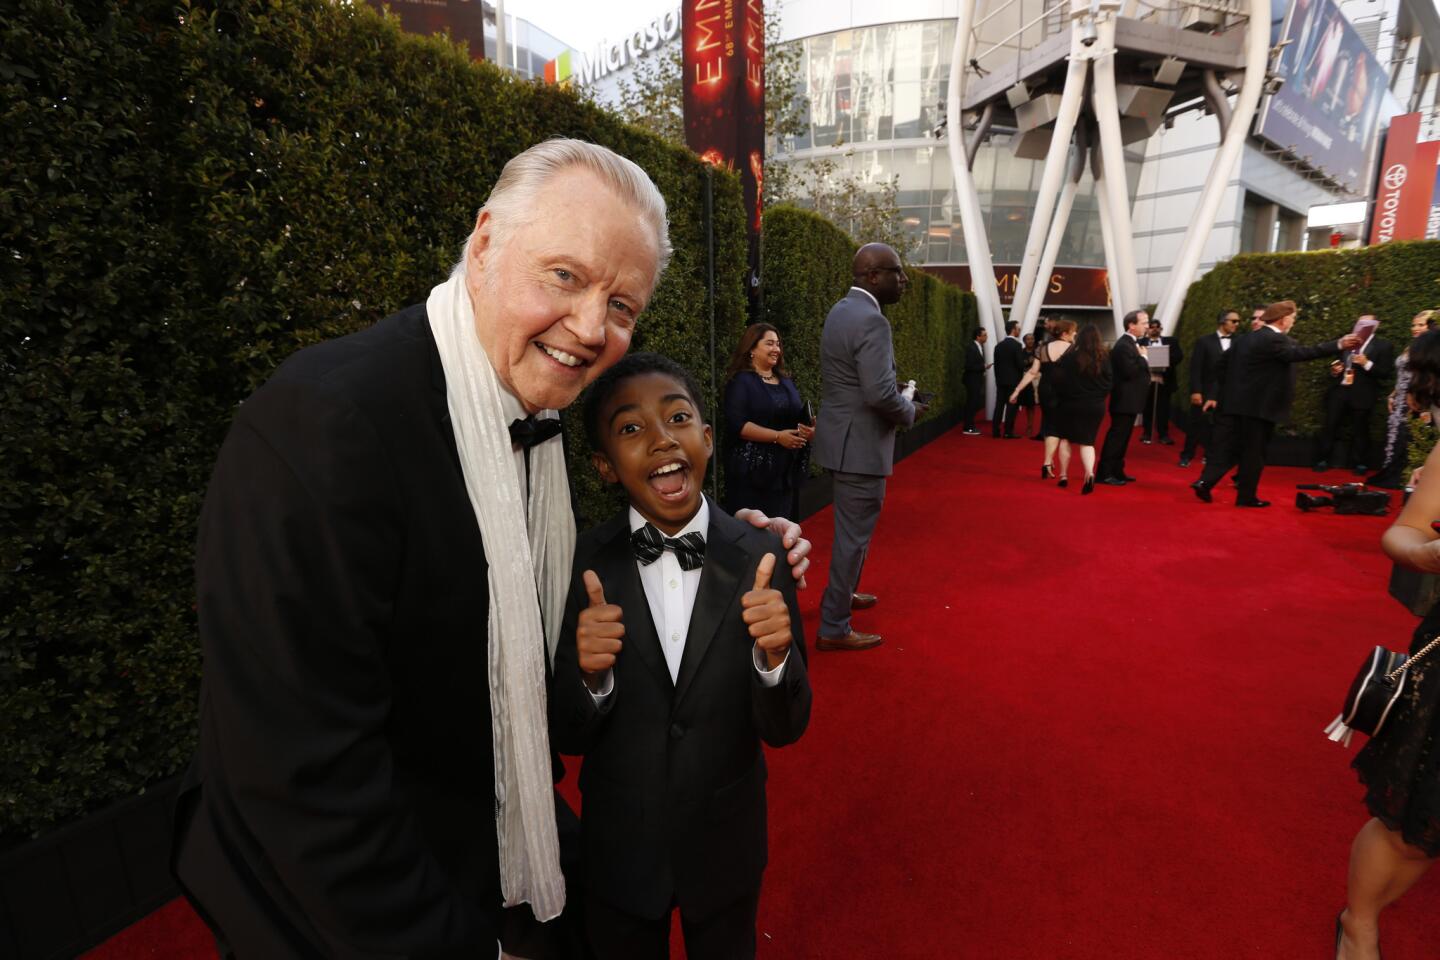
(726, 935)
(1254, 436)
(1198, 431)
(858, 498)
(1158, 400)
(974, 400)
(1004, 410)
(1117, 441)
(1338, 411)
(1222, 452)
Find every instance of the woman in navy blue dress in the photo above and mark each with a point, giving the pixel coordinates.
(767, 431)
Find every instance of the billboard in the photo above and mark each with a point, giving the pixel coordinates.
(1328, 110)
(724, 78)
(465, 19)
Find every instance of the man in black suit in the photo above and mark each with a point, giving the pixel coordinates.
(1162, 388)
(1206, 369)
(1360, 380)
(1131, 375)
(343, 800)
(1010, 367)
(1259, 388)
(975, 367)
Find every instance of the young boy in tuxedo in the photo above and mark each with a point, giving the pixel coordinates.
(680, 653)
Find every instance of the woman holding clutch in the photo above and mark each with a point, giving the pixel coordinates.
(766, 427)
(1400, 767)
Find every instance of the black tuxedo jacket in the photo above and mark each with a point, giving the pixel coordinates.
(1131, 375)
(1177, 354)
(975, 361)
(1010, 364)
(1207, 366)
(1369, 384)
(341, 801)
(1260, 373)
(674, 775)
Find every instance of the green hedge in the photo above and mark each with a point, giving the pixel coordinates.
(807, 269)
(188, 194)
(1393, 281)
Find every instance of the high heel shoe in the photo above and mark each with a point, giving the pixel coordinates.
(1064, 482)
(1047, 472)
(1089, 486)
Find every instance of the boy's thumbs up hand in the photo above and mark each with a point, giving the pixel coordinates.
(598, 632)
(766, 614)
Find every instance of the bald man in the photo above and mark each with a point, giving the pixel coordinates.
(861, 406)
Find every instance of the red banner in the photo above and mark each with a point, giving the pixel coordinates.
(1389, 219)
(724, 70)
(465, 19)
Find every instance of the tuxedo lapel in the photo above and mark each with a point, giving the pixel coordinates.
(616, 569)
(717, 596)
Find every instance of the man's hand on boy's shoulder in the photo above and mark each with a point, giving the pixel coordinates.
(598, 633)
(789, 533)
(767, 615)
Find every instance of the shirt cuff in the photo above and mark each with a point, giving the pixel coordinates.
(768, 678)
(607, 687)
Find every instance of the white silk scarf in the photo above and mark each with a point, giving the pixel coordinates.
(523, 564)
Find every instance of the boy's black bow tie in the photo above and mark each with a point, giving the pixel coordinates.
(528, 432)
(648, 543)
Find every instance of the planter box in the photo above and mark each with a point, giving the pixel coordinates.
(71, 889)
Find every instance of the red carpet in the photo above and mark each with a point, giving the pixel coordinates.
(1056, 753)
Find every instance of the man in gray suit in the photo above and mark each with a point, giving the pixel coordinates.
(860, 406)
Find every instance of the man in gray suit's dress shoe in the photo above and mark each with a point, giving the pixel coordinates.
(860, 407)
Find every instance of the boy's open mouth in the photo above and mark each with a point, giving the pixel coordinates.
(670, 481)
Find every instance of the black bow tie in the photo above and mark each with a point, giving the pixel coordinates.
(527, 432)
(1224, 336)
(648, 543)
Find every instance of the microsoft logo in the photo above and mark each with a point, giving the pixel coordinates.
(558, 70)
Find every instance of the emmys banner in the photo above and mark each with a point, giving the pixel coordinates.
(1327, 112)
(465, 19)
(724, 75)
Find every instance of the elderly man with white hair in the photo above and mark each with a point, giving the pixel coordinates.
(383, 557)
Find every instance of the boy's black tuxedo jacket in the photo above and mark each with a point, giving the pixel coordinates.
(674, 776)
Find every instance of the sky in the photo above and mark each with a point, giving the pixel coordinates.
(583, 23)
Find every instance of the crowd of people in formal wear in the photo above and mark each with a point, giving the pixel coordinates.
(403, 629)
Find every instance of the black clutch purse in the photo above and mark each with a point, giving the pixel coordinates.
(1374, 693)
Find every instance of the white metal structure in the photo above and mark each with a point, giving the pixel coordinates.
(1077, 80)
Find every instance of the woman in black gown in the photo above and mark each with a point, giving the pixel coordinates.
(1047, 355)
(1082, 385)
(766, 429)
(1400, 768)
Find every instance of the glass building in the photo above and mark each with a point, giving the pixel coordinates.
(876, 96)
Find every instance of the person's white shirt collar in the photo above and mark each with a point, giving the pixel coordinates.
(868, 294)
(700, 523)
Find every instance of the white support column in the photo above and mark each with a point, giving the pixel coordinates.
(972, 220)
(1071, 99)
(1107, 237)
(1047, 259)
(1124, 283)
(1257, 58)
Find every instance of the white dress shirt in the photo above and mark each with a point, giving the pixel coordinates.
(670, 595)
(512, 409)
(1225, 341)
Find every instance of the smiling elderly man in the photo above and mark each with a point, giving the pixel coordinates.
(383, 557)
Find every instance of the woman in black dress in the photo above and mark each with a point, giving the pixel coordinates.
(1062, 334)
(766, 429)
(1082, 387)
(1400, 768)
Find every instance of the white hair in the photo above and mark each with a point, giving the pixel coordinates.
(527, 173)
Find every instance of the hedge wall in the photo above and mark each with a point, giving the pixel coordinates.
(189, 193)
(807, 269)
(1393, 281)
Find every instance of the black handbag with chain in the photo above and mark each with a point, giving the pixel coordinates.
(1374, 693)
